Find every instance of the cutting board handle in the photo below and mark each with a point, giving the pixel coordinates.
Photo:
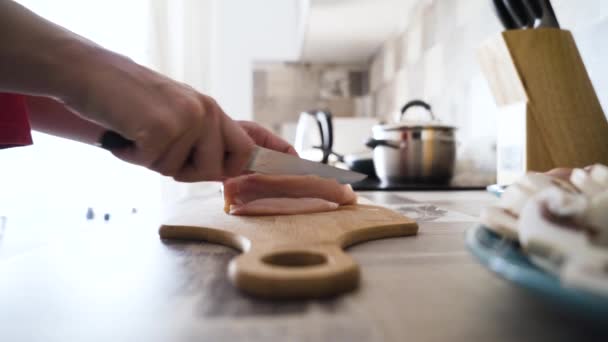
(286, 270)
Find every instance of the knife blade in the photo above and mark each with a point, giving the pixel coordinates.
(272, 162)
(264, 161)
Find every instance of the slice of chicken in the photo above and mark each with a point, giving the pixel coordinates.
(283, 206)
(248, 188)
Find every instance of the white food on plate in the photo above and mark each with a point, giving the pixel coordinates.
(514, 198)
(535, 182)
(564, 204)
(583, 181)
(599, 174)
(597, 218)
(500, 221)
(503, 217)
(551, 227)
(516, 195)
(562, 225)
(540, 235)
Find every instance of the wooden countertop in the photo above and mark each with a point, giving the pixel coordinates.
(120, 282)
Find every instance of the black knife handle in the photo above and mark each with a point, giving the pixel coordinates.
(548, 19)
(111, 140)
(517, 14)
(503, 15)
(534, 8)
(534, 12)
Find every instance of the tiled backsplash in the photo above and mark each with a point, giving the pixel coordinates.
(283, 90)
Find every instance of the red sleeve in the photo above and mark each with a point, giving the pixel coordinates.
(14, 124)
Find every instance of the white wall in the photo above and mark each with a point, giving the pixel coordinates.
(181, 40)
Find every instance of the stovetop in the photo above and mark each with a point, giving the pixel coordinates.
(374, 184)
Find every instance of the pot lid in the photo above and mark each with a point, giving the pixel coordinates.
(414, 125)
(405, 123)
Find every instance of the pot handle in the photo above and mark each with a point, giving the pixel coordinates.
(373, 143)
(417, 103)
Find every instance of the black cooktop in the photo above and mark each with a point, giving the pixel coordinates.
(374, 184)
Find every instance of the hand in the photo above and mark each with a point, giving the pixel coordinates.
(265, 138)
(177, 131)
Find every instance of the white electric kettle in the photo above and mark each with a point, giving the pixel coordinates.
(314, 135)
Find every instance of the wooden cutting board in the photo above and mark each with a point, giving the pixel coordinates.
(288, 256)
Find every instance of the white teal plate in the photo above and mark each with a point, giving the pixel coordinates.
(506, 259)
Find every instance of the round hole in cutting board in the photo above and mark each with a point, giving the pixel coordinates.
(295, 259)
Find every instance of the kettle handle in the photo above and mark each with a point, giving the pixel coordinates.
(324, 120)
(416, 103)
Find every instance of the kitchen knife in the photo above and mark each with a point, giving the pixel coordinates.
(264, 161)
(548, 18)
(503, 15)
(518, 13)
(272, 162)
(535, 12)
(527, 9)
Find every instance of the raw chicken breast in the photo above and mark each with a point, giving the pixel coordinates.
(249, 188)
(283, 206)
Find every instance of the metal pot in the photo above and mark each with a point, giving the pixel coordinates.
(414, 152)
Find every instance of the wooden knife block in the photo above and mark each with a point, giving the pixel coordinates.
(549, 115)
